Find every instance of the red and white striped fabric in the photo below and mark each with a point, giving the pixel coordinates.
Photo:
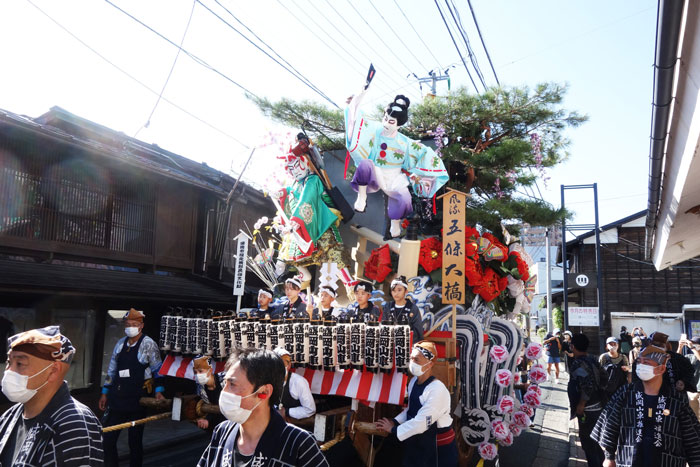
(373, 387)
(181, 367)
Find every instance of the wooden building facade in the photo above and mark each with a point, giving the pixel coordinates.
(92, 220)
(630, 284)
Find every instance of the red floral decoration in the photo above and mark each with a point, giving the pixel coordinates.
(378, 266)
(523, 268)
(471, 232)
(430, 257)
(490, 286)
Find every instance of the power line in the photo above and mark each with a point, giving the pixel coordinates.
(398, 37)
(192, 56)
(369, 27)
(398, 59)
(382, 78)
(470, 52)
(136, 80)
(325, 42)
(294, 73)
(345, 37)
(476, 23)
(417, 34)
(170, 73)
(456, 47)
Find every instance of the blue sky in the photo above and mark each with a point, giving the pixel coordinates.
(603, 50)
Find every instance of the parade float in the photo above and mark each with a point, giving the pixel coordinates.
(470, 281)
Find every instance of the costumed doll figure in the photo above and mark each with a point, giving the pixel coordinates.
(390, 161)
(310, 223)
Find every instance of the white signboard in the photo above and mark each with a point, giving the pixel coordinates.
(583, 316)
(241, 254)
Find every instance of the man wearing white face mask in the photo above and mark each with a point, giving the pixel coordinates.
(135, 360)
(649, 423)
(425, 426)
(255, 434)
(208, 389)
(46, 426)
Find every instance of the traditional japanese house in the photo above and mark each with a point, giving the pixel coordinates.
(92, 220)
(634, 293)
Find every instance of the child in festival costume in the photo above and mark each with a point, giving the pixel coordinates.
(363, 307)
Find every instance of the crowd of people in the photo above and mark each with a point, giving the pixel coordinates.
(637, 403)
(259, 396)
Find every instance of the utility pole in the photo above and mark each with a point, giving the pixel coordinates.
(549, 281)
(433, 78)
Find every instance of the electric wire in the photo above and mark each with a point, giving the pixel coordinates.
(470, 52)
(346, 37)
(324, 42)
(384, 78)
(170, 73)
(483, 44)
(136, 80)
(425, 68)
(191, 55)
(294, 73)
(456, 47)
(370, 46)
(369, 26)
(417, 34)
(264, 43)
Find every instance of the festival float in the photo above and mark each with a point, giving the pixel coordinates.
(472, 288)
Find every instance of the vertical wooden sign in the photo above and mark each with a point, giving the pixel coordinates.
(454, 204)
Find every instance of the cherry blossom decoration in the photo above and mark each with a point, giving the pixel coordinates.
(538, 374)
(500, 429)
(498, 353)
(508, 440)
(533, 351)
(521, 419)
(528, 410)
(504, 378)
(515, 430)
(488, 451)
(535, 388)
(505, 404)
(532, 399)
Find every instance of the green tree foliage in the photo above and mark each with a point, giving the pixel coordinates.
(558, 318)
(495, 144)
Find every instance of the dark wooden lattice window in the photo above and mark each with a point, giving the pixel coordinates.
(54, 196)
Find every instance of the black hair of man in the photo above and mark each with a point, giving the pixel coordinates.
(580, 341)
(261, 367)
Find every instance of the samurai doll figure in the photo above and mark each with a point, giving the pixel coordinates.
(310, 223)
(390, 161)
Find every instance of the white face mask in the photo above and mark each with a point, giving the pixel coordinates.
(645, 372)
(14, 386)
(415, 369)
(230, 407)
(202, 378)
(131, 331)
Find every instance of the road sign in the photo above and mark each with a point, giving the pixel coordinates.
(583, 316)
(581, 280)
